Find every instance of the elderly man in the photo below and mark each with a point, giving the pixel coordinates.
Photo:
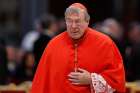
(79, 60)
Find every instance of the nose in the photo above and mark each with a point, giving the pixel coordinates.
(73, 24)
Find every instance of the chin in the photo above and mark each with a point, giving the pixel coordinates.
(75, 38)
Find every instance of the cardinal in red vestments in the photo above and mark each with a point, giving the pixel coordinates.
(80, 60)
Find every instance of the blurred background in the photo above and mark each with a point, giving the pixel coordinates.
(26, 26)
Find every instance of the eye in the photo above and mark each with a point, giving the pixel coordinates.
(78, 21)
(68, 21)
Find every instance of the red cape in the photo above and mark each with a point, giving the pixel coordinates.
(96, 53)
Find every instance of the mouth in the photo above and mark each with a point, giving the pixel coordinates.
(75, 31)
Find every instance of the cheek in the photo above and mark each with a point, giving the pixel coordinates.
(82, 32)
(82, 27)
(68, 27)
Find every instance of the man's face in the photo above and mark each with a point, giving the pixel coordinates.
(76, 25)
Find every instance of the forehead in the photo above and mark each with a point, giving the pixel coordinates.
(75, 16)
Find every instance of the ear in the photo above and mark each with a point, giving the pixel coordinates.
(87, 22)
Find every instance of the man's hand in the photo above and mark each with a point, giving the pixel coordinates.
(81, 77)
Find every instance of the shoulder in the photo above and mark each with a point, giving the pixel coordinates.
(57, 39)
(99, 37)
(104, 41)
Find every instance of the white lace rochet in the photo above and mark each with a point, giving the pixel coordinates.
(99, 84)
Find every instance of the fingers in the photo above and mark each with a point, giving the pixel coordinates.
(74, 74)
(73, 77)
(74, 80)
(75, 83)
(81, 70)
(77, 74)
(79, 77)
